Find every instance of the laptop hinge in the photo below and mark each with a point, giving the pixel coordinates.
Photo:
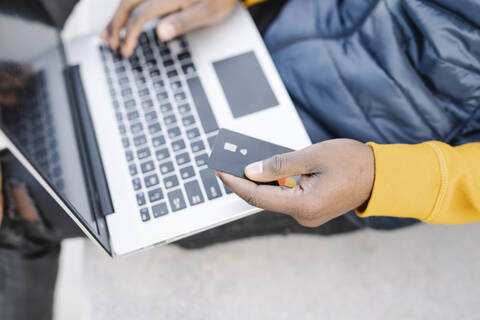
(99, 193)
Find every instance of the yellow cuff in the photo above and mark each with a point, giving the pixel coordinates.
(407, 181)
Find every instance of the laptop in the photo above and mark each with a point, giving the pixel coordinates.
(121, 144)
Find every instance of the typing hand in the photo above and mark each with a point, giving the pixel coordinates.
(178, 17)
(13, 82)
(336, 177)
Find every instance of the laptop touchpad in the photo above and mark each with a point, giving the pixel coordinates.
(244, 84)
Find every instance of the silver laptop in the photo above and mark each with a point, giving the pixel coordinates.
(121, 144)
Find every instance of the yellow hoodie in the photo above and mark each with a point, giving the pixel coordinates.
(431, 181)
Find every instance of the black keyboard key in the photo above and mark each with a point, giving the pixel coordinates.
(154, 128)
(160, 210)
(137, 69)
(173, 132)
(167, 107)
(136, 128)
(123, 81)
(155, 195)
(170, 182)
(150, 116)
(132, 168)
(193, 133)
(182, 158)
(129, 155)
(139, 140)
(57, 171)
(162, 154)
(140, 80)
(184, 55)
(188, 69)
(126, 92)
(158, 85)
(176, 85)
(161, 96)
(172, 73)
(166, 168)
(151, 180)
(201, 160)
(120, 69)
(122, 129)
(134, 115)
(137, 184)
(178, 145)
(197, 146)
(118, 115)
(130, 104)
(143, 153)
(207, 118)
(158, 141)
(164, 52)
(184, 109)
(147, 166)
(179, 97)
(211, 141)
(141, 199)
(143, 92)
(187, 172)
(147, 104)
(144, 214)
(194, 193)
(143, 39)
(188, 121)
(176, 200)
(125, 142)
(210, 183)
(170, 120)
(154, 73)
(168, 63)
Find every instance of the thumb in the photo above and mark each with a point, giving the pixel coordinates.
(280, 166)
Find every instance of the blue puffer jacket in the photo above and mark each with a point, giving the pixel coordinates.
(385, 71)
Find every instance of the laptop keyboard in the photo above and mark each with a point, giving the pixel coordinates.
(166, 124)
(31, 123)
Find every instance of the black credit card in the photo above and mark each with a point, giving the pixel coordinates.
(233, 151)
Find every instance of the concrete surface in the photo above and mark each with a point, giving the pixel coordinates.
(423, 272)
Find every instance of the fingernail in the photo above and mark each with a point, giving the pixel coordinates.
(167, 32)
(254, 169)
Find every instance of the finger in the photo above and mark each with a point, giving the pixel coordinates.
(183, 21)
(138, 17)
(282, 166)
(267, 197)
(119, 20)
(7, 99)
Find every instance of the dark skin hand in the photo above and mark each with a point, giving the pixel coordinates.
(178, 17)
(336, 177)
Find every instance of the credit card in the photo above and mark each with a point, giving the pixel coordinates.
(233, 151)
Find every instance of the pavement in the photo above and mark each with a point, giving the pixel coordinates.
(422, 272)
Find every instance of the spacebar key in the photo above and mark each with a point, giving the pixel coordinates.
(204, 109)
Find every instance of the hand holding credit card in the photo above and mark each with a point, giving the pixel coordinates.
(336, 176)
(233, 151)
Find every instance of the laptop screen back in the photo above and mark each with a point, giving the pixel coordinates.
(34, 106)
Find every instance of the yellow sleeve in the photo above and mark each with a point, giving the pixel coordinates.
(431, 181)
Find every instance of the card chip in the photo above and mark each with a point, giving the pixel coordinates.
(230, 147)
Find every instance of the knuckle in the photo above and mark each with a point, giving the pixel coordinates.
(252, 198)
(277, 164)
